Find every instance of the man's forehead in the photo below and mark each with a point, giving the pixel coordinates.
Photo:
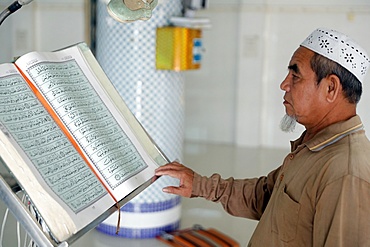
(301, 57)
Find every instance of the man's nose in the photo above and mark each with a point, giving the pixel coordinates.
(284, 85)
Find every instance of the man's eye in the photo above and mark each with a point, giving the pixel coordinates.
(295, 77)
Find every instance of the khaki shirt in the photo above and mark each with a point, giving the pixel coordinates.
(320, 196)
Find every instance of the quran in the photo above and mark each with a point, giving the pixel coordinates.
(69, 140)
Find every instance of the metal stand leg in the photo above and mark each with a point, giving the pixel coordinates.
(22, 215)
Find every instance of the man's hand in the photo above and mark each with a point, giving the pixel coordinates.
(184, 174)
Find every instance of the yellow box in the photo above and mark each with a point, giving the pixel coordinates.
(178, 48)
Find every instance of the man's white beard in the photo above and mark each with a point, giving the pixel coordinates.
(288, 123)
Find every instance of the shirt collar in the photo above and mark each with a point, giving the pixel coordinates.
(330, 134)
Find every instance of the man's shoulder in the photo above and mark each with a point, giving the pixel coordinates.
(350, 156)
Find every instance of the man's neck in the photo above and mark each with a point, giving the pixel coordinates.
(328, 120)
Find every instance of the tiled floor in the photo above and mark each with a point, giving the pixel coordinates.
(205, 159)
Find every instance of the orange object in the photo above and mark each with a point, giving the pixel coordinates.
(178, 48)
(195, 240)
(224, 237)
(198, 236)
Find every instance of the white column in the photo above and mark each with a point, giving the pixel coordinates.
(126, 52)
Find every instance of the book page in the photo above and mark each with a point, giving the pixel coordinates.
(87, 118)
(46, 146)
(122, 110)
(55, 172)
(117, 155)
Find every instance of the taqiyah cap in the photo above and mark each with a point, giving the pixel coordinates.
(339, 48)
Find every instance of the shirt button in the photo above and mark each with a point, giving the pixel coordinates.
(291, 156)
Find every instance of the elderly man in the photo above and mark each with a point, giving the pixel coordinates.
(320, 195)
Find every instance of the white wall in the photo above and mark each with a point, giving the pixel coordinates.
(210, 91)
(238, 100)
(42, 25)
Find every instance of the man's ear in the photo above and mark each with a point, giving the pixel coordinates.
(333, 87)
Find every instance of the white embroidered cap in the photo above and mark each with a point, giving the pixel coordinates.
(339, 48)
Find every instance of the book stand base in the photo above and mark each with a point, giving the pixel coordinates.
(8, 190)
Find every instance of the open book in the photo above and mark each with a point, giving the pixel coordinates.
(69, 139)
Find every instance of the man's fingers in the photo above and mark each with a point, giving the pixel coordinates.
(168, 172)
(177, 191)
(181, 172)
(170, 189)
(170, 169)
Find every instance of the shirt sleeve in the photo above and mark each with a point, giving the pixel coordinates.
(239, 197)
(343, 213)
